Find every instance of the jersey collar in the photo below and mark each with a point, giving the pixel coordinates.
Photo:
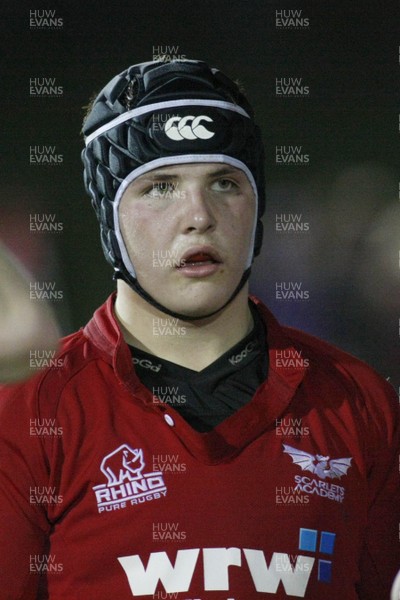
(225, 441)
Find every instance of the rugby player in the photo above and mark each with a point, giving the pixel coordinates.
(190, 446)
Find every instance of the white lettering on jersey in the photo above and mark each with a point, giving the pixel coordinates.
(177, 578)
(266, 579)
(216, 562)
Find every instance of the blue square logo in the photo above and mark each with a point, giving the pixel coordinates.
(324, 571)
(308, 540)
(327, 542)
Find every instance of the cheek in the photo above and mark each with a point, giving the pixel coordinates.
(142, 229)
(242, 220)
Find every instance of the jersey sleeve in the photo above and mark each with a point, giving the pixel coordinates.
(380, 558)
(24, 526)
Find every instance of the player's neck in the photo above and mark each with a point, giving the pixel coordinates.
(194, 344)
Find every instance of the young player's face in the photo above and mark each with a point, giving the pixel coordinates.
(188, 229)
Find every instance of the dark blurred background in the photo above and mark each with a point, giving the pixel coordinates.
(342, 130)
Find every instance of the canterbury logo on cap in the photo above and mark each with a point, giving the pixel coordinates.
(188, 128)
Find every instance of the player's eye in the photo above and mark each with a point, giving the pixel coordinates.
(224, 185)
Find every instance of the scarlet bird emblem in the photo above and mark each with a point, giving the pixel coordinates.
(322, 466)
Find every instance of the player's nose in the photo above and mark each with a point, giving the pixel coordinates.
(197, 210)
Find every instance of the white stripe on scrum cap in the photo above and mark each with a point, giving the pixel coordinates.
(179, 160)
(142, 110)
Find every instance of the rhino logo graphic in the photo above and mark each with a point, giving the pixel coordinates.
(126, 485)
(123, 464)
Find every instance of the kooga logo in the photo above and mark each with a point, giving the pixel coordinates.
(143, 581)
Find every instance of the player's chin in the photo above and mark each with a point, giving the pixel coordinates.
(198, 307)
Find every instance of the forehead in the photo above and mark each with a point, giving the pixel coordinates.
(192, 170)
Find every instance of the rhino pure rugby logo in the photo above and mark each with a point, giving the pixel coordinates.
(127, 485)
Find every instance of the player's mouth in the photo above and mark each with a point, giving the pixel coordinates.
(199, 261)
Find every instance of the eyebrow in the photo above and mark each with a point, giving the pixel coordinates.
(157, 175)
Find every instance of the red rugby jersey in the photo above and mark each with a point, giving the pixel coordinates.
(105, 492)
